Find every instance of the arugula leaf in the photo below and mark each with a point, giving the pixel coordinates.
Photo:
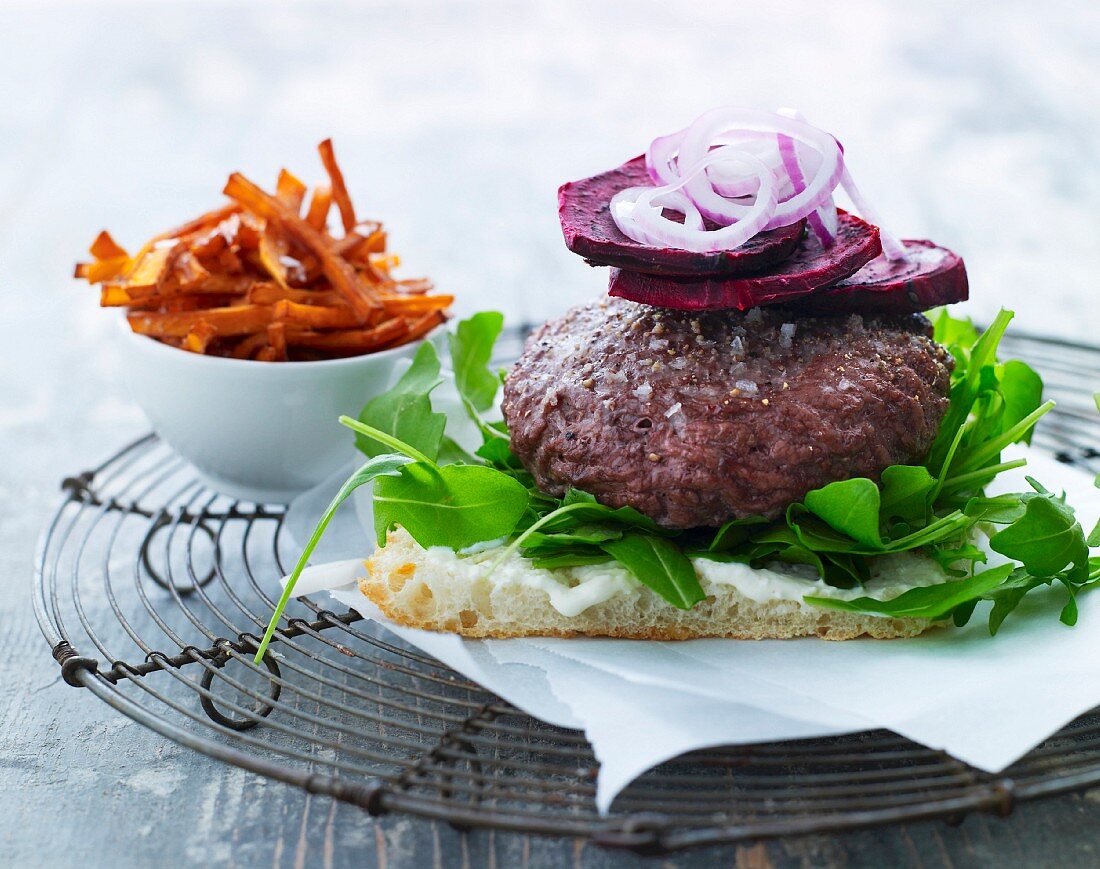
(905, 491)
(1046, 539)
(452, 452)
(1022, 389)
(497, 451)
(374, 469)
(735, 532)
(926, 602)
(966, 383)
(471, 349)
(453, 506)
(660, 565)
(594, 534)
(584, 507)
(405, 411)
(568, 558)
(850, 507)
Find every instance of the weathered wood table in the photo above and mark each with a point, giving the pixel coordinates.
(455, 122)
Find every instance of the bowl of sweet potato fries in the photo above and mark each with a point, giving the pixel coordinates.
(248, 330)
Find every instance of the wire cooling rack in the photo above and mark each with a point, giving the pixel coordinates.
(152, 593)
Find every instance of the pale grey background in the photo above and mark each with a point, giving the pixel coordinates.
(973, 123)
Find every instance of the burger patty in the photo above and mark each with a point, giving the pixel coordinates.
(695, 418)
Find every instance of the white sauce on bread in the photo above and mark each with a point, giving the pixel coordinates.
(573, 590)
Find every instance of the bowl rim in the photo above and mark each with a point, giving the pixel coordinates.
(204, 359)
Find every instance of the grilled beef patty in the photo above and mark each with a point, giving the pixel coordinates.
(695, 418)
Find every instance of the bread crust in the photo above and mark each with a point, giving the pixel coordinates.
(411, 591)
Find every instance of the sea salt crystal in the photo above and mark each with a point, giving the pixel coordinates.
(747, 386)
(644, 391)
(737, 345)
(675, 409)
(678, 363)
(755, 316)
(786, 334)
(845, 384)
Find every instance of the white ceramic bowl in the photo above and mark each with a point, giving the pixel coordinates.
(260, 431)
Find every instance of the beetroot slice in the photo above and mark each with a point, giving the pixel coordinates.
(933, 276)
(589, 230)
(808, 269)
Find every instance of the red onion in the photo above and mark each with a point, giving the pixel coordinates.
(638, 211)
(747, 171)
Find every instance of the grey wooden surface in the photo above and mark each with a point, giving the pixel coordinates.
(975, 124)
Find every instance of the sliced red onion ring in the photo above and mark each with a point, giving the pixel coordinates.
(763, 156)
(714, 207)
(659, 158)
(815, 220)
(639, 215)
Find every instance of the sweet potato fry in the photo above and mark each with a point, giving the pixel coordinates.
(150, 268)
(102, 270)
(115, 296)
(339, 189)
(348, 340)
(231, 321)
(276, 339)
(269, 294)
(358, 249)
(315, 316)
(416, 286)
(200, 336)
(290, 190)
(319, 205)
(273, 247)
(417, 329)
(104, 247)
(337, 270)
(247, 347)
(267, 354)
(203, 221)
(408, 306)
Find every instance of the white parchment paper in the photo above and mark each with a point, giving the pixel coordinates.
(984, 700)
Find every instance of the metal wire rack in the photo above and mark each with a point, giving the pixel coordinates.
(152, 592)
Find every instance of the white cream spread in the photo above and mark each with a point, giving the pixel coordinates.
(573, 590)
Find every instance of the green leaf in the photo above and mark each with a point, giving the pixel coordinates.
(1022, 389)
(568, 558)
(497, 451)
(583, 507)
(1046, 539)
(453, 506)
(951, 331)
(947, 556)
(905, 491)
(471, 348)
(405, 411)
(1000, 509)
(735, 532)
(451, 452)
(927, 602)
(850, 507)
(376, 468)
(580, 535)
(966, 383)
(1094, 536)
(659, 565)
